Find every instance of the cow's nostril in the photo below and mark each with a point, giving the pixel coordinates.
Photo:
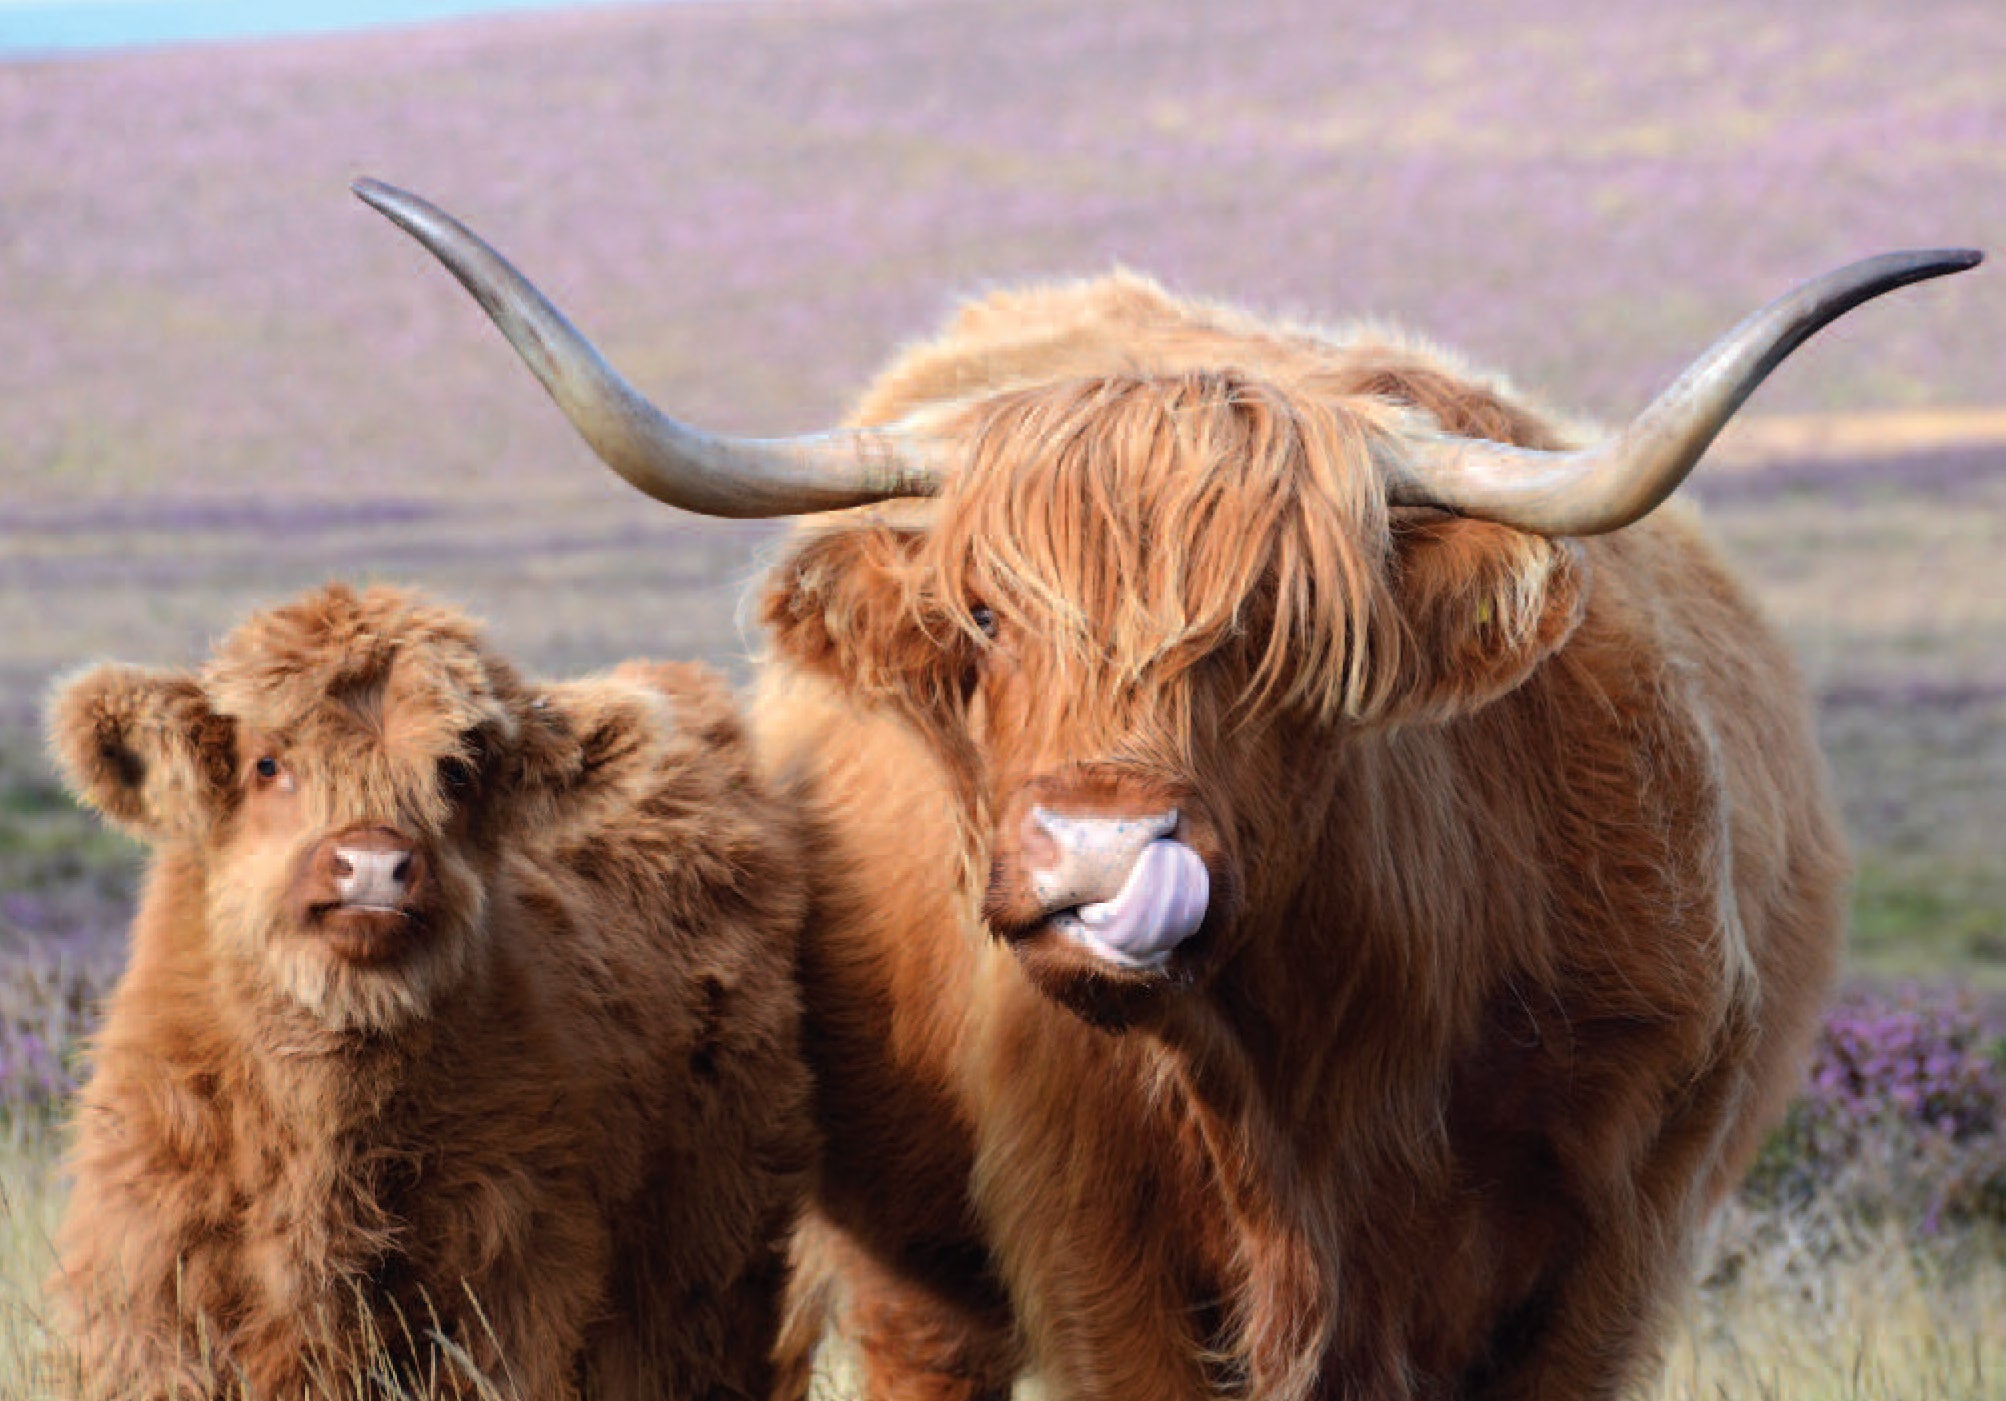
(343, 866)
(1089, 857)
(401, 872)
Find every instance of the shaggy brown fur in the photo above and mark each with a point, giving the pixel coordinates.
(1526, 886)
(553, 1109)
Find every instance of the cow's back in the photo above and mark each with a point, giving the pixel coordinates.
(667, 926)
(1783, 861)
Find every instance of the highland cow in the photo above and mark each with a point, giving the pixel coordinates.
(1321, 885)
(459, 1034)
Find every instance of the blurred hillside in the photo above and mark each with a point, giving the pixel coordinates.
(221, 378)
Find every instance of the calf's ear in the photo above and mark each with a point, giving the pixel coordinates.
(1480, 606)
(580, 741)
(847, 603)
(144, 748)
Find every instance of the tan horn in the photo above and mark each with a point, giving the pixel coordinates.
(670, 461)
(1608, 486)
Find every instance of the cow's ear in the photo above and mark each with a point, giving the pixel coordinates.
(145, 748)
(1480, 607)
(847, 603)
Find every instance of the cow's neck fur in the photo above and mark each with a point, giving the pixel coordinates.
(1404, 977)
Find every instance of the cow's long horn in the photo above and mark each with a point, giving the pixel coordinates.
(1612, 484)
(671, 461)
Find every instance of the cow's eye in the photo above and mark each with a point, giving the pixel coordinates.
(268, 768)
(456, 774)
(985, 618)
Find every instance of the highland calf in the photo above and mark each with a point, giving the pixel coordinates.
(1321, 886)
(459, 1030)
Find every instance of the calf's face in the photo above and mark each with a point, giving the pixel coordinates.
(344, 773)
(353, 873)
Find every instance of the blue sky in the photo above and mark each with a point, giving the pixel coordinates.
(47, 26)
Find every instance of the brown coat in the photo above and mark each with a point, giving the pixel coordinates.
(1525, 886)
(551, 1109)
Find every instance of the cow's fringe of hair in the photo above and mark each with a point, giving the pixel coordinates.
(1154, 520)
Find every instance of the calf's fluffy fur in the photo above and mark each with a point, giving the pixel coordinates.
(546, 1120)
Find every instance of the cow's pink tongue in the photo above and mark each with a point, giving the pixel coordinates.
(1160, 905)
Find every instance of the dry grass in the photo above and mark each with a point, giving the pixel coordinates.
(30, 1204)
(1803, 1309)
(1797, 1308)
(36, 1366)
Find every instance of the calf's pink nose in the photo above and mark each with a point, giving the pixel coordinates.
(372, 872)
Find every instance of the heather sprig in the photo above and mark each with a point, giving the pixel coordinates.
(48, 1004)
(1904, 1113)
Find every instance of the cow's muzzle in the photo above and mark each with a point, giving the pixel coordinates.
(1109, 861)
(1122, 887)
(1112, 886)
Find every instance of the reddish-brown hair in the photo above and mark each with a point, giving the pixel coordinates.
(557, 1138)
(1536, 885)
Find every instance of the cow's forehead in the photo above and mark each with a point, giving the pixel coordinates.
(1137, 523)
(1119, 448)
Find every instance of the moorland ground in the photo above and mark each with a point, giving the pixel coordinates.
(222, 380)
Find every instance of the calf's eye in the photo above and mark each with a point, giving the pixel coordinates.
(456, 774)
(268, 767)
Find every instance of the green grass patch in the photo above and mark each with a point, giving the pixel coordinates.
(1923, 917)
(50, 845)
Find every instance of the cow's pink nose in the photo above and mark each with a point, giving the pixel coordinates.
(1090, 856)
(1120, 887)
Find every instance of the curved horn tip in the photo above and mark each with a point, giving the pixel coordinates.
(1957, 259)
(400, 207)
(1920, 264)
(372, 191)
